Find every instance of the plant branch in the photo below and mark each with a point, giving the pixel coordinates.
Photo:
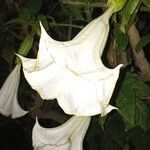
(139, 57)
(67, 25)
(98, 4)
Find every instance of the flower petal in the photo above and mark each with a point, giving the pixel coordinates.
(84, 97)
(68, 136)
(9, 105)
(73, 72)
(81, 54)
(76, 94)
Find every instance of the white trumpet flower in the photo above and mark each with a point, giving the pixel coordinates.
(9, 105)
(68, 136)
(72, 71)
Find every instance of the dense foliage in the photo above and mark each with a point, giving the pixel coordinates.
(127, 128)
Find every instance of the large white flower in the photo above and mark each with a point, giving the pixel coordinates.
(73, 72)
(9, 105)
(68, 136)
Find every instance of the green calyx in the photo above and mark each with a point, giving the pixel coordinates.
(116, 4)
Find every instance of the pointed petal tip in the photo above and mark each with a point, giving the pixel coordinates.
(41, 26)
(40, 23)
(27, 63)
(119, 66)
(21, 57)
(36, 120)
(43, 31)
(37, 123)
(107, 110)
(18, 55)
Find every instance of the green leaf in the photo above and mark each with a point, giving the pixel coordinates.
(121, 40)
(25, 14)
(142, 117)
(139, 138)
(118, 4)
(34, 6)
(26, 45)
(114, 126)
(75, 12)
(146, 2)
(131, 91)
(31, 9)
(126, 104)
(126, 100)
(126, 13)
(143, 42)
